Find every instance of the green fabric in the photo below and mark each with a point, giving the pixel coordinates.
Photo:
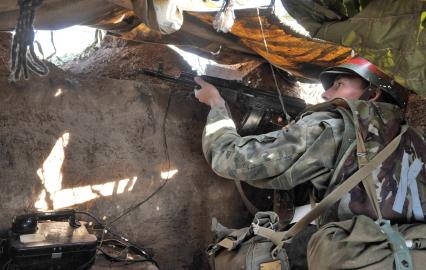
(390, 34)
(360, 244)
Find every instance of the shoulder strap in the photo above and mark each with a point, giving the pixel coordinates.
(278, 238)
(347, 146)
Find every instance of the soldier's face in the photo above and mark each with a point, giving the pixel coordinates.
(345, 87)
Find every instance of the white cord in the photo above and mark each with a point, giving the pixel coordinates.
(287, 116)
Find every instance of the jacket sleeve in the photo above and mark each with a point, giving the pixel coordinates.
(255, 158)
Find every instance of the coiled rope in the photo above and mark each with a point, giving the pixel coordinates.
(23, 57)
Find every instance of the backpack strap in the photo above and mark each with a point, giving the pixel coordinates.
(368, 181)
(278, 238)
(346, 148)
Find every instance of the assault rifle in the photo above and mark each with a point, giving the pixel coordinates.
(261, 107)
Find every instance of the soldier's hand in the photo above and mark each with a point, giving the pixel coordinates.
(208, 94)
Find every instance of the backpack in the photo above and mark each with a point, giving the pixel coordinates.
(400, 180)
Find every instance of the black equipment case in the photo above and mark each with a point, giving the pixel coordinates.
(54, 245)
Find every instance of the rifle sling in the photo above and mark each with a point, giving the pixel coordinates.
(252, 209)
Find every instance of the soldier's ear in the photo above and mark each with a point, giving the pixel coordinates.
(375, 93)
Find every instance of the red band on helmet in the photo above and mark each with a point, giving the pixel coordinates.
(371, 67)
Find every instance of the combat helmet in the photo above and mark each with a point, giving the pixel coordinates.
(371, 74)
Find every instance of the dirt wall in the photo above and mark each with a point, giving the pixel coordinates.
(97, 144)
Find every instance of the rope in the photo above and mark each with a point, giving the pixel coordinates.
(23, 57)
(52, 41)
(287, 116)
(224, 19)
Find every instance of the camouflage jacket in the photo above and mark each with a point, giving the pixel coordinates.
(309, 150)
(282, 159)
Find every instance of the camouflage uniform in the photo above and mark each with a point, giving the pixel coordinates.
(278, 160)
(309, 150)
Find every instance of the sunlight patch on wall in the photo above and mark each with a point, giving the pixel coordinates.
(122, 185)
(41, 202)
(58, 92)
(73, 196)
(168, 174)
(104, 189)
(50, 175)
(133, 182)
(126, 183)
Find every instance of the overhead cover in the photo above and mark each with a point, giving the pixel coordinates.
(375, 29)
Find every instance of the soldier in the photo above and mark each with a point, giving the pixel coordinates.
(310, 149)
(306, 150)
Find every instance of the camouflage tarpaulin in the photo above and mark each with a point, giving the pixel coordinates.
(391, 34)
(288, 50)
(297, 54)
